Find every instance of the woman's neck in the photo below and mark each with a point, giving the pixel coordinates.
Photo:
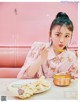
(56, 51)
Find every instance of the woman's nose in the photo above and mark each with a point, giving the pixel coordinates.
(61, 40)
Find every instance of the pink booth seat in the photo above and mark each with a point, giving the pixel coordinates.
(11, 60)
(9, 72)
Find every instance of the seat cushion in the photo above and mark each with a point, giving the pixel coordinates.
(9, 72)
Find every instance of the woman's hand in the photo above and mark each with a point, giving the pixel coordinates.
(44, 53)
(72, 76)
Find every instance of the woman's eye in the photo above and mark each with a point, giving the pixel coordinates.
(57, 34)
(67, 36)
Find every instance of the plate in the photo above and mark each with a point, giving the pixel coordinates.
(37, 85)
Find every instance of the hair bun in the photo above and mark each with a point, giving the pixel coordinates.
(62, 15)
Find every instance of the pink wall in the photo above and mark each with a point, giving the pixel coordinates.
(31, 22)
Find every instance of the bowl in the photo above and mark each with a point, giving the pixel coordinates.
(62, 79)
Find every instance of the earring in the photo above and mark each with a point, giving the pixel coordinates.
(50, 41)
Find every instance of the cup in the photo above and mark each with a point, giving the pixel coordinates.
(62, 79)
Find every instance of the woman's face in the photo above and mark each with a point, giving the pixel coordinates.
(61, 37)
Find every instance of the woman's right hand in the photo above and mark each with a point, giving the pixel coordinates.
(44, 53)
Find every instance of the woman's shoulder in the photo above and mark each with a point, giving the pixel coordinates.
(71, 53)
(39, 44)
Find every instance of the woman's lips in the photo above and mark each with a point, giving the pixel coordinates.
(60, 45)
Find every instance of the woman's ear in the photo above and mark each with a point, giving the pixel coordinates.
(69, 43)
(50, 37)
(70, 40)
(49, 34)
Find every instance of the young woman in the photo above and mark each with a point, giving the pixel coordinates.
(54, 57)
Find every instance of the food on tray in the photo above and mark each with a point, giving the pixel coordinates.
(26, 90)
(41, 84)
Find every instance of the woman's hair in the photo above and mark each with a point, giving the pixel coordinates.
(61, 19)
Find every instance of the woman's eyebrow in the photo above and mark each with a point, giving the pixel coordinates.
(58, 32)
(67, 33)
(61, 33)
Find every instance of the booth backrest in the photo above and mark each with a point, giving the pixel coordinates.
(12, 59)
(13, 56)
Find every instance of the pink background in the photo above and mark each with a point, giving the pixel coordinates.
(23, 23)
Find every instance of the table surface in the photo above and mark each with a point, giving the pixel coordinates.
(54, 93)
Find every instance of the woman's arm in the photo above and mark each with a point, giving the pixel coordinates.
(33, 62)
(37, 63)
(69, 65)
